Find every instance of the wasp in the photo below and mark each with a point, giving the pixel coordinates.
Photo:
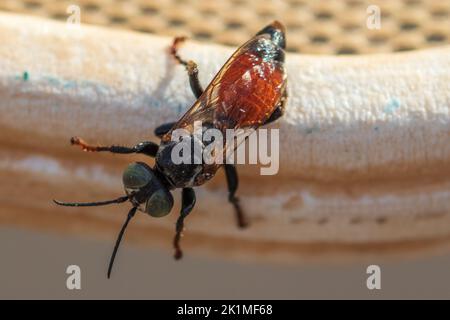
(249, 91)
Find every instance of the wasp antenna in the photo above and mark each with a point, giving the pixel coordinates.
(91, 204)
(119, 239)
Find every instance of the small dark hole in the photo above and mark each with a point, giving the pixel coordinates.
(408, 26)
(238, 2)
(176, 22)
(377, 39)
(229, 43)
(347, 50)
(292, 49)
(59, 16)
(320, 39)
(202, 35)
(404, 48)
(354, 3)
(381, 220)
(234, 25)
(297, 4)
(350, 27)
(294, 26)
(413, 2)
(324, 15)
(265, 15)
(208, 13)
(440, 14)
(436, 37)
(355, 220)
(322, 221)
(118, 19)
(297, 220)
(145, 29)
(32, 4)
(91, 7)
(149, 10)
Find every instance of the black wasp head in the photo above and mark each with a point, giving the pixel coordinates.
(146, 191)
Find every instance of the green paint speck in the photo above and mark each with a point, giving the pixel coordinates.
(25, 76)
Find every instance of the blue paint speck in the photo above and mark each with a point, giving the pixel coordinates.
(393, 105)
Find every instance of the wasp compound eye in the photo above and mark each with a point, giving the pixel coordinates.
(136, 176)
(159, 204)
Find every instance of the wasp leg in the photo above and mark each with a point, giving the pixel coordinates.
(147, 147)
(233, 182)
(191, 67)
(163, 129)
(279, 111)
(187, 204)
(192, 70)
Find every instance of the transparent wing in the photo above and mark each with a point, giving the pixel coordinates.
(242, 95)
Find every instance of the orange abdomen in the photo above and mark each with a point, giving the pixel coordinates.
(249, 90)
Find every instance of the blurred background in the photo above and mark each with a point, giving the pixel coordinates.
(33, 263)
(33, 266)
(317, 27)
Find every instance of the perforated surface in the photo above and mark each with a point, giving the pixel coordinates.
(323, 27)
